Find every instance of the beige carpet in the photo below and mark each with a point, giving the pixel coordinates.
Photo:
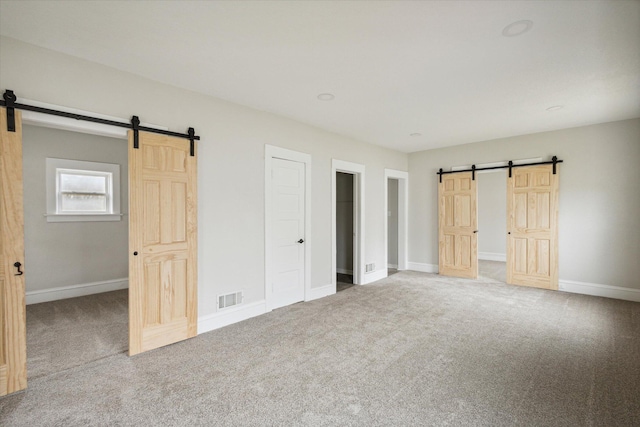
(413, 349)
(492, 270)
(73, 332)
(343, 281)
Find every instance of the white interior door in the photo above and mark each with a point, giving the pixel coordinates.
(287, 226)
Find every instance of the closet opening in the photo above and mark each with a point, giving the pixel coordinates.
(392, 225)
(347, 224)
(345, 235)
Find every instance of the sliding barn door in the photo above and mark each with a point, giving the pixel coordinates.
(13, 334)
(532, 217)
(162, 242)
(458, 219)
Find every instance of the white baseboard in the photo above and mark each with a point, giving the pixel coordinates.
(599, 290)
(374, 276)
(490, 256)
(231, 315)
(321, 292)
(425, 268)
(64, 292)
(344, 271)
(392, 266)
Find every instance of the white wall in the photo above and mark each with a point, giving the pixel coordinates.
(344, 223)
(599, 238)
(61, 254)
(392, 224)
(230, 162)
(492, 214)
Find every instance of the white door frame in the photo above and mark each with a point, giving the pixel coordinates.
(403, 215)
(272, 152)
(357, 170)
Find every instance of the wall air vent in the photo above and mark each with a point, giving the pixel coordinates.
(229, 300)
(369, 267)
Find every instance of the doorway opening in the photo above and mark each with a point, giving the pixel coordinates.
(347, 224)
(344, 230)
(392, 226)
(396, 212)
(530, 214)
(492, 224)
(76, 286)
(162, 188)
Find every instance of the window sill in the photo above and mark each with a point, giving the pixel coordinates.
(83, 218)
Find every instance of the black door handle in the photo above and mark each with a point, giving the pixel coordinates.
(300, 241)
(475, 231)
(18, 265)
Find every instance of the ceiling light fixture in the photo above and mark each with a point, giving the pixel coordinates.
(326, 97)
(555, 108)
(517, 28)
(415, 134)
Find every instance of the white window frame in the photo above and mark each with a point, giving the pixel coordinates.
(53, 169)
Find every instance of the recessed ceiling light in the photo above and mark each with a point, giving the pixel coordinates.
(415, 134)
(326, 97)
(555, 108)
(517, 28)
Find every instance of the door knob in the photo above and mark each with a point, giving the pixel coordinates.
(475, 231)
(300, 241)
(18, 265)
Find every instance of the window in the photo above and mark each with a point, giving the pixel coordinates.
(82, 191)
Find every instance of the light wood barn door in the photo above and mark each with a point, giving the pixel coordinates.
(13, 335)
(162, 242)
(458, 219)
(532, 216)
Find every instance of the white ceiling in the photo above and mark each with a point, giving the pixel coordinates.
(439, 68)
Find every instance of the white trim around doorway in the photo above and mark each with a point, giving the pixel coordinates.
(272, 152)
(403, 215)
(357, 170)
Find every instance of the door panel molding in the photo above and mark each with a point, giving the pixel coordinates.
(273, 152)
(358, 172)
(532, 227)
(163, 280)
(458, 225)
